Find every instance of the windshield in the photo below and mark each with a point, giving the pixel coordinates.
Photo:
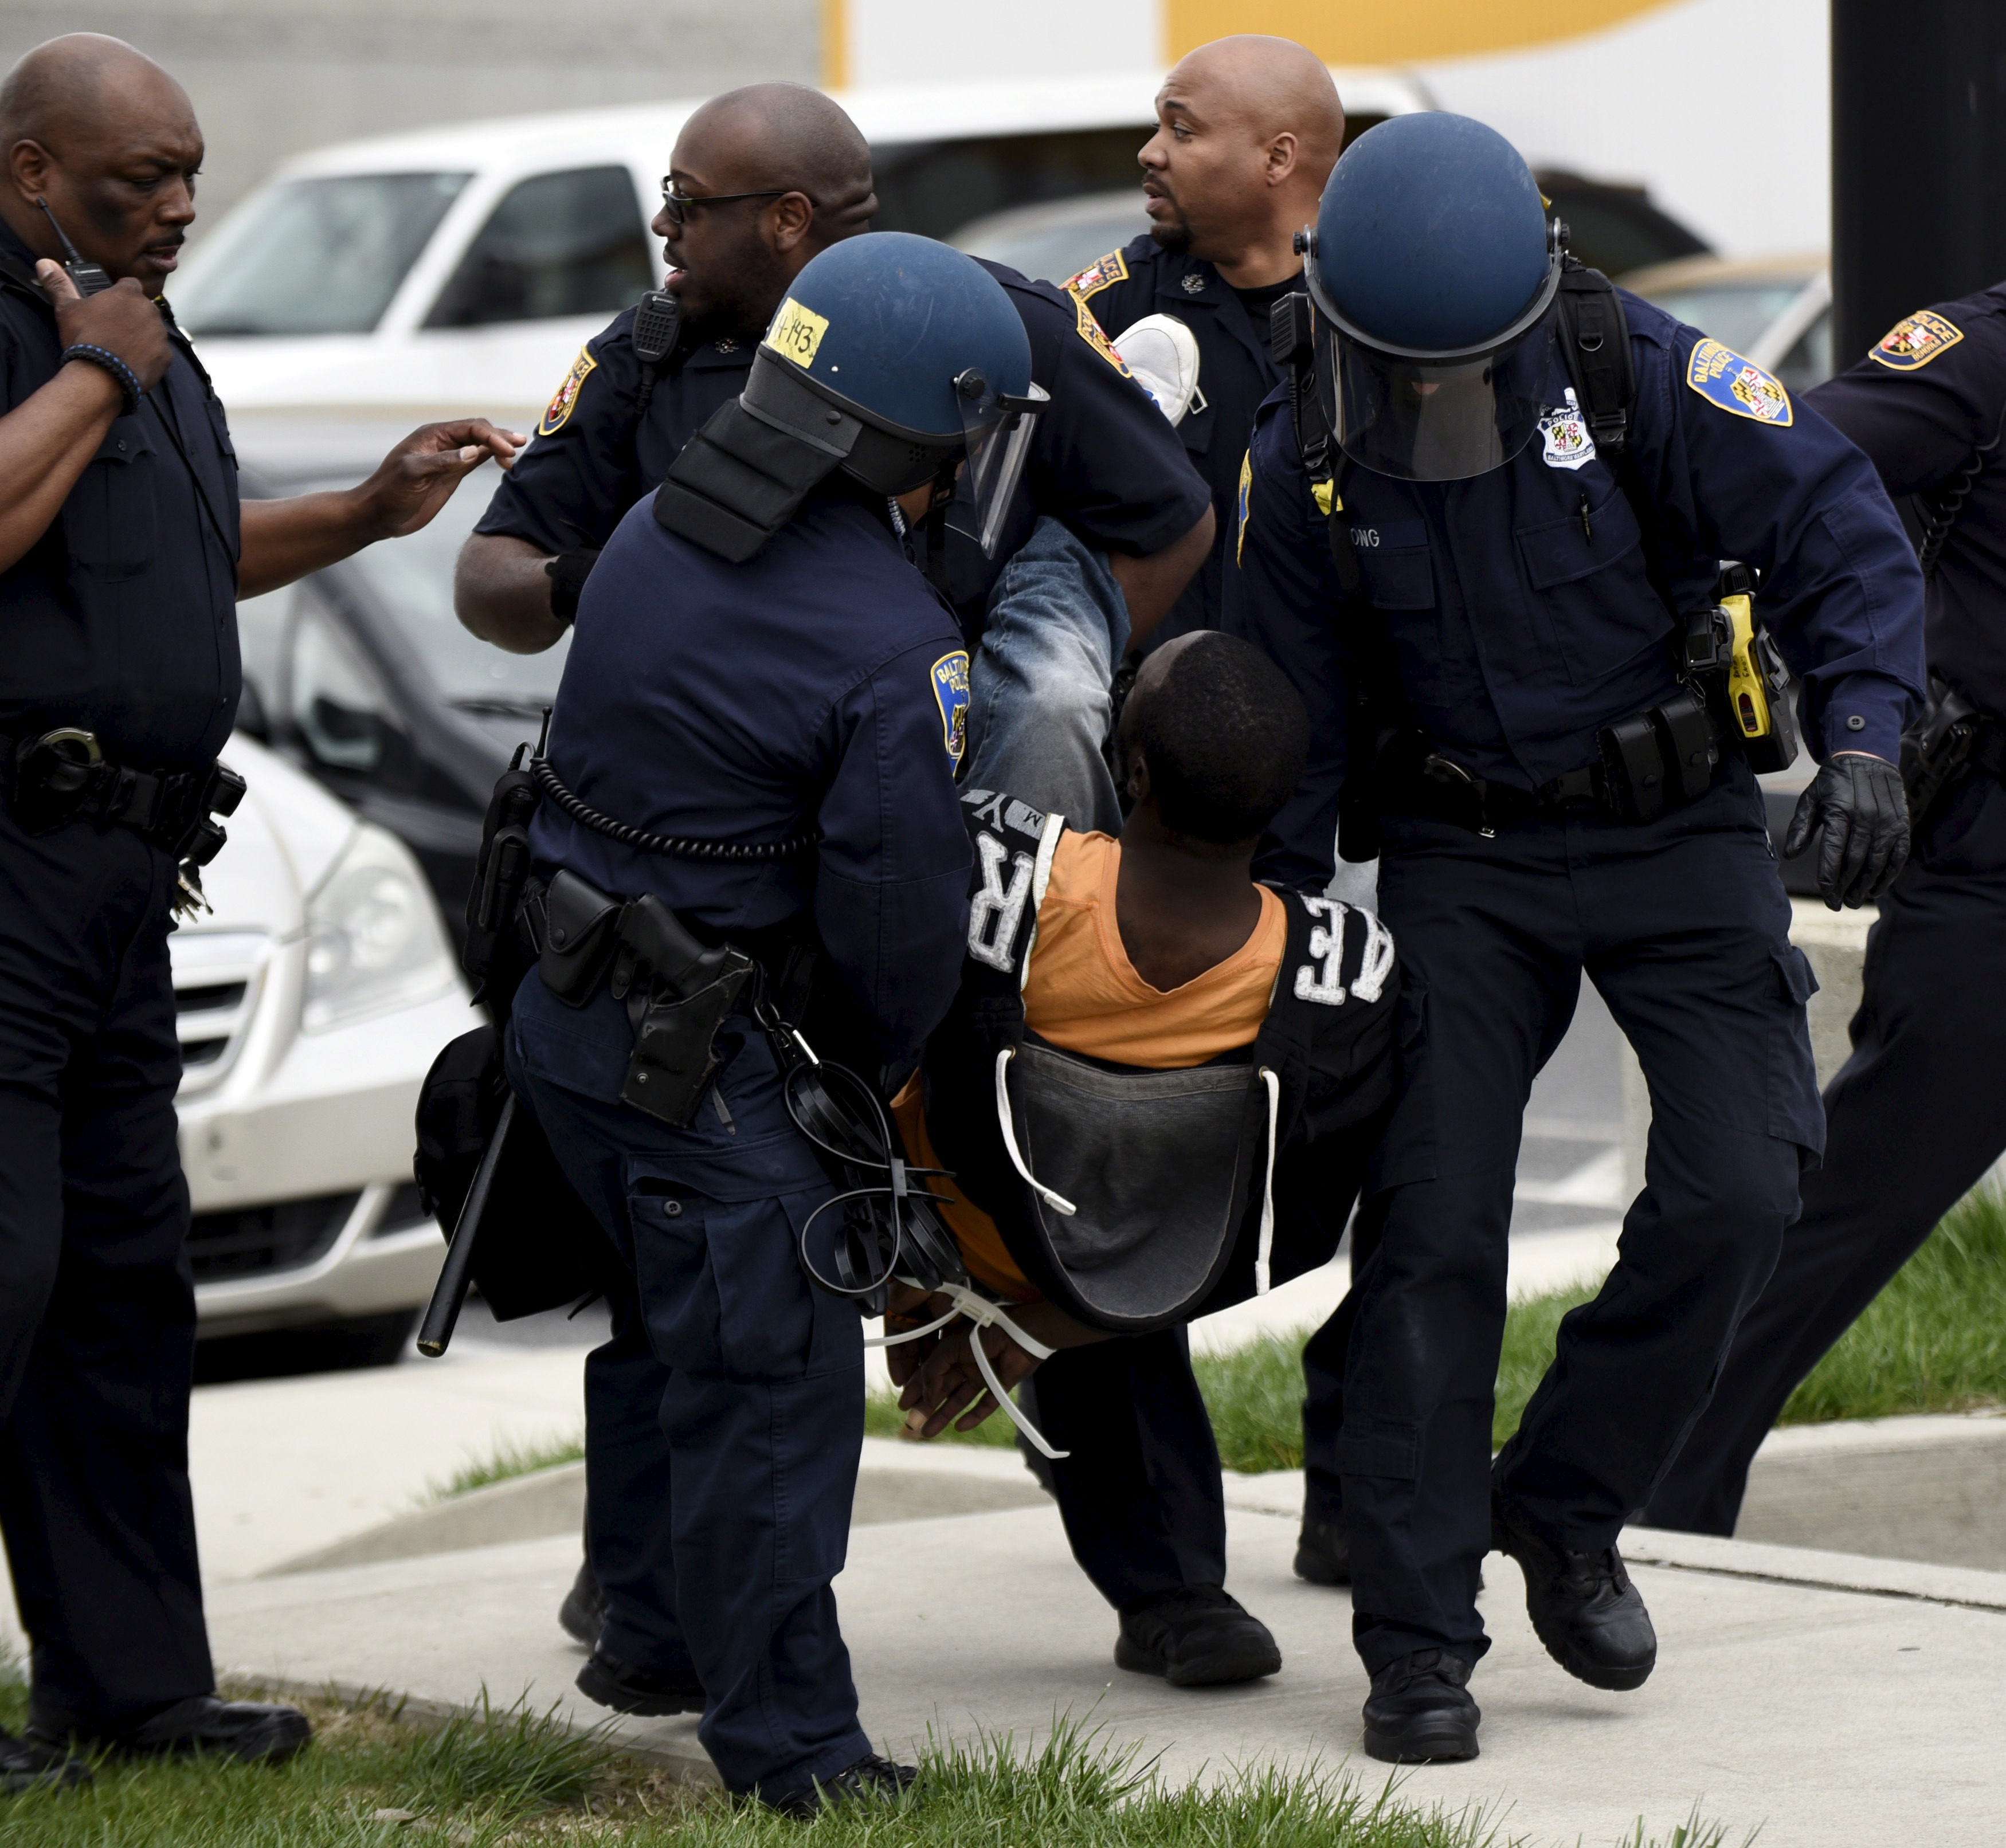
(313, 256)
(412, 579)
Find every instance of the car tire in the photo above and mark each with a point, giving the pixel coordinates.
(319, 1348)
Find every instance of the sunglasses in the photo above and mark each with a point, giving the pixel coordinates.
(676, 206)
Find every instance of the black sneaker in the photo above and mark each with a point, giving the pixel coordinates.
(1419, 1711)
(1195, 1637)
(649, 1692)
(1323, 1555)
(33, 1764)
(871, 1779)
(583, 1612)
(1583, 1605)
(252, 1732)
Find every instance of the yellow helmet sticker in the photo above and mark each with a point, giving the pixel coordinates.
(797, 333)
(1725, 379)
(559, 408)
(1910, 344)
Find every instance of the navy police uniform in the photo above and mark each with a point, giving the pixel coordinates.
(1103, 459)
(120, 619)
(822, 683)
(1907, 1129)
(1513, 615)
(1237, 371)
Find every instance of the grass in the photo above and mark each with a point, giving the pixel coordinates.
(507, 1459)
(510, 1776)
(1934, 1340)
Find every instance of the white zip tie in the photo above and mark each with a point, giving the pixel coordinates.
(1267, 1243)
(984, 1314)
(1058, 1202)
(911, 1334)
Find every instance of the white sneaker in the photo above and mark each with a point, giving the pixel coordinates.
(1163, 354)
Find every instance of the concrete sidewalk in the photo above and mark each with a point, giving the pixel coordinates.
(1826, 1715)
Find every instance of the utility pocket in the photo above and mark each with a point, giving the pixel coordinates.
(1796, 1112)
(1393, 555)
(110, 521)
(1586, 572)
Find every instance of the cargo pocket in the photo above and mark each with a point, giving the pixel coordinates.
(109, 522)
(1796, 1112)
(1408, 1150)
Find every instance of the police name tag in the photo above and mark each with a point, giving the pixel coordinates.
(1725, 379)
(1564, 433)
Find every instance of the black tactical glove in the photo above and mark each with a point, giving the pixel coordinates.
(567, 572)
(1858, 801)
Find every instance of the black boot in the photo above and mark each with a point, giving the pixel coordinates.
(1323, 1555)
(1419, 1711)
(1195, 1637)
(1584, 1608)
(583, 1612)
(870, 1781)
(650, 1693)
(33, 1764)
(252, 1732)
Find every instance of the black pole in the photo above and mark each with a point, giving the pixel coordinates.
(1918, 159)
(456, 1273)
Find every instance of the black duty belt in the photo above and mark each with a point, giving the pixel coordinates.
(63, 776)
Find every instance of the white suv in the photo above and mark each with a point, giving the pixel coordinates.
(310, 1002)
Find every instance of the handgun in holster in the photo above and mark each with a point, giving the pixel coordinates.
(1937, 750)
(501, 876)
(678, 992)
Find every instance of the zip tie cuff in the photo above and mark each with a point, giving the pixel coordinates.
(105, 361)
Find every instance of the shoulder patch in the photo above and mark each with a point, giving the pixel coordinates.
(1726, 380)
(1090, 331)
(1245, 495)
(1103, 272)
(1911, 344)
(949, 676)
(559, 408)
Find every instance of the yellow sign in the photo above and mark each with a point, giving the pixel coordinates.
(797, 333)
(1366, 32)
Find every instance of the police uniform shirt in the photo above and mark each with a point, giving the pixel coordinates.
(821, 684)
(589, 462)
(122, 617)
(1517, 605)
(1237, 371)
(1928, 397)
(1103, 457)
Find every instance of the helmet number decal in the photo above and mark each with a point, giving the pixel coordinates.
(797, 333)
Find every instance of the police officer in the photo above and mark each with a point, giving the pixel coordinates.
(1913, 1118)
(760, 671)
(122, 549)
(1550, 799)
(1247, 130)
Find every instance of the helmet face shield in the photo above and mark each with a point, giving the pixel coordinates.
(996, 428)
(1422, 418)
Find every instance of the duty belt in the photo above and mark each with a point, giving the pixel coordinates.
(63, 776)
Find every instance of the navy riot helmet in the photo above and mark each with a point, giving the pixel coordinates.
(894, 359)
(1433, 273)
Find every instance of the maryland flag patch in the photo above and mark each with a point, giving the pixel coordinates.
(560, 407)
(1102, 273)
(1724, 379)
(1912, 343)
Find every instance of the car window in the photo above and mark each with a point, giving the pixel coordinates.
(321, 256)
(1052, 242)
(338, 705)
(562, 244)
(1735, 314)
(260, 635)
(1809, 361)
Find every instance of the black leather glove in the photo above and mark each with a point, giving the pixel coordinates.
(567, 572)
(1858, 800)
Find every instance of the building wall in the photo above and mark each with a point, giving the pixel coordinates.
(271, 77)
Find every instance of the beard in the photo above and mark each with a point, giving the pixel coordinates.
(1175, 237)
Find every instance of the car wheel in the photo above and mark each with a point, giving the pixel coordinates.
(319, 1347)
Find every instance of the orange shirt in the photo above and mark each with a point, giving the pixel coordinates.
(1082, 994)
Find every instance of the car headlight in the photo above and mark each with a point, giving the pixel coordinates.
(373, 938)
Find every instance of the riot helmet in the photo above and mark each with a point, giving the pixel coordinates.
(894, 360)
(1434, 273)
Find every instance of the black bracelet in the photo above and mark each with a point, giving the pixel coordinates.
(103, 356)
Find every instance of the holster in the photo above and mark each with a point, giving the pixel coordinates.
(501, 878)
(1943, 747)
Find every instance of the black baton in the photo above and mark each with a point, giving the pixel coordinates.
(449, 1293)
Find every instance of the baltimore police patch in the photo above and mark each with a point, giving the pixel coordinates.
(1724, 379)
(1246, 494)
(1914, 342)
(1091, 332)
(560, 407)
(1102, 273)
(950, 680)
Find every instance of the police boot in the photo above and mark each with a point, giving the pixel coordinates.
(252, 1732)
(1586, 1612)
(1196, 1636)
(1421, 1712)
(872, 1781)
(582, 1613)
(33, 1764)
(649, 1692)
(1323, 1555)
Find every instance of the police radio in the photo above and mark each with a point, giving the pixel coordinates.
(90, 279)
(658, 324)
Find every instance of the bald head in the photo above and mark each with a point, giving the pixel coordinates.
(1248, 129)
(788, 136)
(109, 140)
